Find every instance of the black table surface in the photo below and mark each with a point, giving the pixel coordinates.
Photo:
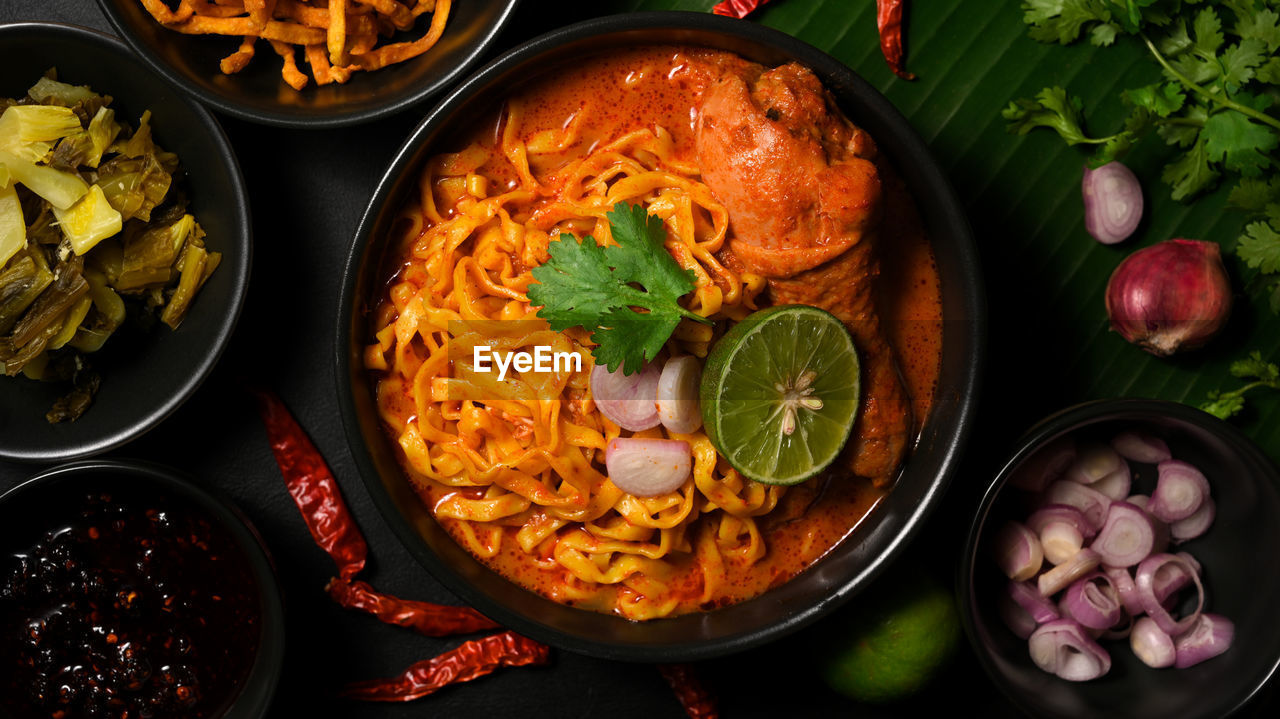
(308, 190)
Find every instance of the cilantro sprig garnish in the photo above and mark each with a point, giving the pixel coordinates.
(1264, 374)
(602, 288)
(1221, 67)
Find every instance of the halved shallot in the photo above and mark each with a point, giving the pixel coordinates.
(648, 467)
(631, 402)
(1112, 202)
(678, 405)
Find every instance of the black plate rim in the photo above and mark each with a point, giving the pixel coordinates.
(973, 299)
(243, 244)
(318, 121)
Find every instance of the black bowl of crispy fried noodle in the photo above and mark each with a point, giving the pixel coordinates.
(295, 68)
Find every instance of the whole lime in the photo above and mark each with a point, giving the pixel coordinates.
(892, 641)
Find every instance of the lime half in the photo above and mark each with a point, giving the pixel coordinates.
(780, 392)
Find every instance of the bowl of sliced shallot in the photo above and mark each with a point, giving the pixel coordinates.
(1124, 562)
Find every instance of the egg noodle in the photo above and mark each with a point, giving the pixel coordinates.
(522, 461)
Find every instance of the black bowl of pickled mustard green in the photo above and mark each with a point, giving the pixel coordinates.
(851, 565)
(126, 587)
(145, 375)
(1237, 553)
(258, 94)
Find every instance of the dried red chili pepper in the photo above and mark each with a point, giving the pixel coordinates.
(737, 8)
(697, 701)
(889, 22)
(433, 620)
(471, 660)
(313, 487)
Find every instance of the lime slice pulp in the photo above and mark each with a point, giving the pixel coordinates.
(780, 392)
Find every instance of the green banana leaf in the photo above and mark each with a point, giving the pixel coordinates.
(1050, 345)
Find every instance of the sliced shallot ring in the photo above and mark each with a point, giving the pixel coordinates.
(1115, 485)
(1211, 636)
(1092, 503)
(1180, 490)
(1018, 619)
(1046, 465)
(1141, 447)
(1093, 606)
(1118, 631)
(1195, 525)
(1053, 513)
(1030, 599)
(1064, 648)
(1151, 644)
(1127, 537)
(1061, 576)
(1126, 589)
(1017, 551)
(1093, 462)
(1144, 580)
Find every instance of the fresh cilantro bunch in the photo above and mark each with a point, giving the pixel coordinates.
(1264, 374)
(600, 288)
(1222, 76)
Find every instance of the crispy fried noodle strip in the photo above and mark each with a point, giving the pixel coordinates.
(338, 37)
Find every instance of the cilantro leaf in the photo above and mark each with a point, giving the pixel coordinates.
(1208, 31)
(1259, 247)
(1225, 405)
(1190, 174)
(1269, 71)
(1261, 24)
(1104, 34)
(1240, 61)
(1199, 60)
(1062, 20)
(583, 284)
(1184, 132)
(1053, 109)
(1254, 194)
(1177, 41)
(1238, 142)
(1162, 99)
(1255, 368)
